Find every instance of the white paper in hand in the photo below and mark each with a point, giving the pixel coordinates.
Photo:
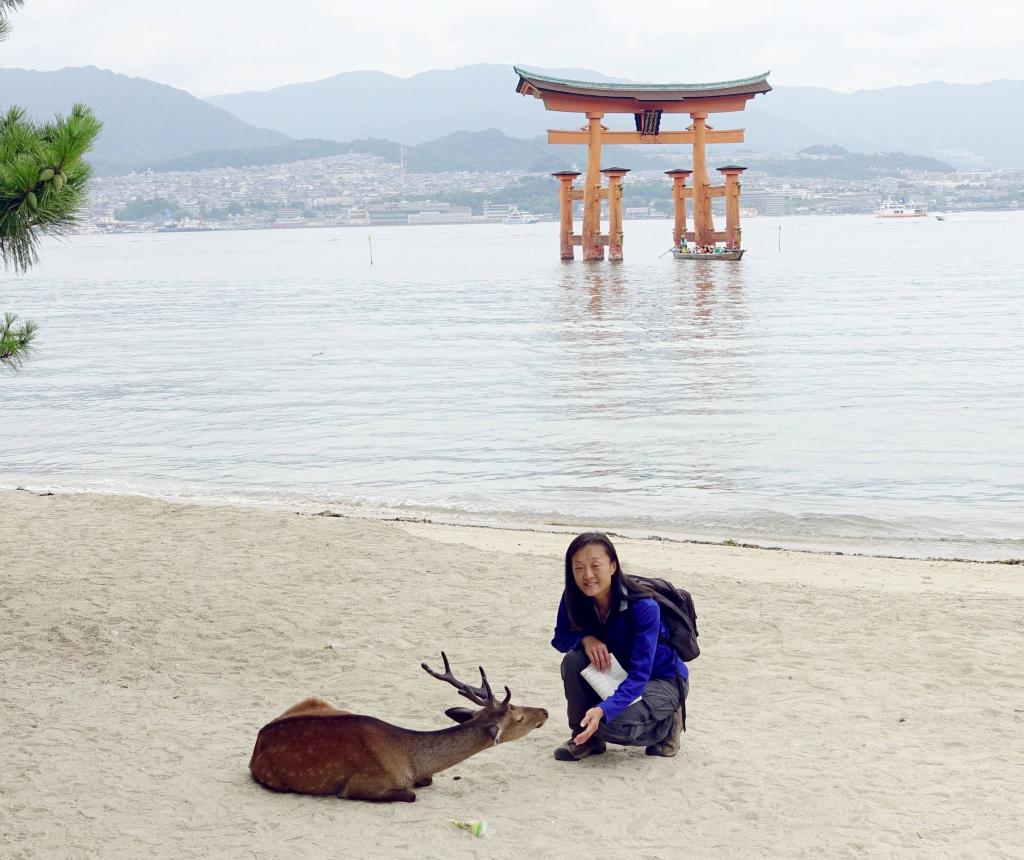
(605, 683)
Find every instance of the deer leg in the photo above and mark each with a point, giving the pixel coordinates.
(402, 795)
(427, 780)
(367, 790)
(392, 795)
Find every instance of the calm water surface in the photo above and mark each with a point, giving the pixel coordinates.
(859, 389)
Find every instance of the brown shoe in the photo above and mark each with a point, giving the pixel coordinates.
(574, 752)
(670, 746)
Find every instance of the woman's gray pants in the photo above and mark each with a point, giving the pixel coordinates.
(643, 723)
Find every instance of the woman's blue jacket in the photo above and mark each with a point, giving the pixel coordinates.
(635, 635)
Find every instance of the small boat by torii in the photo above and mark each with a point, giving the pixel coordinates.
(688, 253)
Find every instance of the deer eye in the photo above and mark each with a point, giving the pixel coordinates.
(519, 718)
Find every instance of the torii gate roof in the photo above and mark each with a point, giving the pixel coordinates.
(568, 95)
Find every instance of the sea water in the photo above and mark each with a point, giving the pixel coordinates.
(852, 384)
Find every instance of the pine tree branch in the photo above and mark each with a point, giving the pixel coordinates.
(42, 188)
(42, 179)
(15, 342)
(5, 6)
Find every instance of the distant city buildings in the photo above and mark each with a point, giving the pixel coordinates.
(365, 190)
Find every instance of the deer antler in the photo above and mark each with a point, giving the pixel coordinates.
(482, 695)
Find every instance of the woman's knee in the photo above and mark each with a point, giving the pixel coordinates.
(574, 662)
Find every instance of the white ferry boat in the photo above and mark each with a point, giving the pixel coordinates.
(901, 209)
(518, 217)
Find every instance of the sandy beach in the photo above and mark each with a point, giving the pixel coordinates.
(842, 707)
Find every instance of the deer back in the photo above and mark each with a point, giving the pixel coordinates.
(320, 750)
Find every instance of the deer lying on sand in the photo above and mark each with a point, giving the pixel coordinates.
(314, 748)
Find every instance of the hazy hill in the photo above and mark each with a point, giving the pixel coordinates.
(411, 110)
(966, 124)
(491, 150)
(464, 150)
(834, 162)
(142, 121)
(969, 125)
(278, 153)
(472, 118)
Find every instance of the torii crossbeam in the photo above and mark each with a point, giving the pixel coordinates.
(647, 103)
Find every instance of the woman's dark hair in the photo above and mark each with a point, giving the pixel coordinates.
(577, 604)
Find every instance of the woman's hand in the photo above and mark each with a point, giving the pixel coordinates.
(590, 722)
(597, 653)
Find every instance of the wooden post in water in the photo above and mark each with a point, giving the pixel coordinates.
(615, 175)
(565, 199)
(703, 224)
(678, 203)
(732, 205)
(592, 247)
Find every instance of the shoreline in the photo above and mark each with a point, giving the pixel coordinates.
(498, 522)
(547, 219)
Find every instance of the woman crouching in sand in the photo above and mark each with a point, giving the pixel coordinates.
(603, 613)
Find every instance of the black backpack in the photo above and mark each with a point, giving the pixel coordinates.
(677, 612)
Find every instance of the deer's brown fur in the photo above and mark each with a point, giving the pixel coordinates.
(315, 748)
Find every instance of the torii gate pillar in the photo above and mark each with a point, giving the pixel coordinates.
(565, 199)
(678, 203)
(615, 175)
(732, 205)
(592, 247)
(703, 224)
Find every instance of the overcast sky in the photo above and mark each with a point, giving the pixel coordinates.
(221, 46)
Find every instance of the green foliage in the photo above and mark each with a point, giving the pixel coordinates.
(283, 153)
(42, 174)
(223, 213)
(42, 187)
(155, 209)
(15, 341)
(834, 162)
(261, 156)
(42, 179)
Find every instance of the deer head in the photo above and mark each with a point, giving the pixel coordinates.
(502, 721)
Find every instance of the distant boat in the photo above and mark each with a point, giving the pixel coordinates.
(518, 217)
(721, 254)
(901, 209)
(940, 217)
(184, 227)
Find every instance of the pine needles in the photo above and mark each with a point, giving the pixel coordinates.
(42, 179)
(42, 188)
(15, 342)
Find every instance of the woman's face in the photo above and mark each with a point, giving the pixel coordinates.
(592, 568)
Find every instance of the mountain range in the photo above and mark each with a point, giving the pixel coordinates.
(438, 112)
(143, 121)
(965, 124)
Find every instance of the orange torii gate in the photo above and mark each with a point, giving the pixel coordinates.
(647, 103)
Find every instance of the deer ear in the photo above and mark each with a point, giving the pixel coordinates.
(494, 731)
(460, 715)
